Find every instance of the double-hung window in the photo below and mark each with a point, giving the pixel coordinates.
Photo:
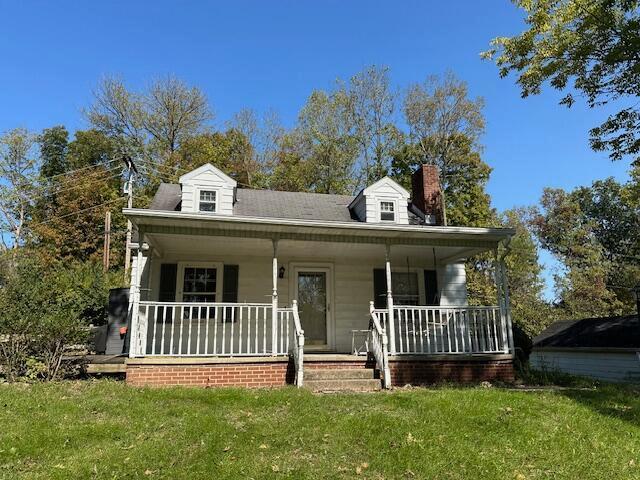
(199, 284)
(208, 201)
(387, 211)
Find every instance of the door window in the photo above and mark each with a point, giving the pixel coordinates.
(312, 305)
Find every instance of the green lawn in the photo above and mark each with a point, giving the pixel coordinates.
(104, 429)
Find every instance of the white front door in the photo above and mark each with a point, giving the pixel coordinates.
(313, 292)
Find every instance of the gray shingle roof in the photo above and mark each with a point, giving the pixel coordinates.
(295, 205)
(274, 204)
(607, 332)
(167, 197)
(269, 203)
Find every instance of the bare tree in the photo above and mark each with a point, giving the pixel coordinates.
(264, 135)
(160, 118)
(373, 103)
(172, 111)
(117, 112)
(440, 113)
(18, 171)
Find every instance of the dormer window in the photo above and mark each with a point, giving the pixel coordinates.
(387, 211)
(208, 201)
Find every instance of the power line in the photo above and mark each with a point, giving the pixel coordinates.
(57, 217)
(80, 169)
(90, 175)
(91, 182)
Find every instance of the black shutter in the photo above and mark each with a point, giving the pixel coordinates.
(168, 274)
(431, 287)
(230, 283)
(379, 288)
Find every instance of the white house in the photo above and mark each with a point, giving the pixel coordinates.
(234, 286)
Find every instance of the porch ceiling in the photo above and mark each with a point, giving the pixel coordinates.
(455, 242)
(197, 246)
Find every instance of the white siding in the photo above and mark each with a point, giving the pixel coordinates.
(352, 284)
(607, 366)
(452, 282)
(207, 179)
(385, 190)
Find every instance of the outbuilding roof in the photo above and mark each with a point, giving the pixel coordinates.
(607, 332)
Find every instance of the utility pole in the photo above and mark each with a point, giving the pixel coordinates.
(128, 189)
(107, 241)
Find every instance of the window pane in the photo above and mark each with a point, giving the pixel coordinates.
(405, 288)
(199, 282)
(207, 196)
(387, 211)
(207, 207)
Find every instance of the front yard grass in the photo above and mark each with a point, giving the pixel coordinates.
(104, 429)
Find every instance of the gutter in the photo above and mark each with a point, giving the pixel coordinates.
(500, 234)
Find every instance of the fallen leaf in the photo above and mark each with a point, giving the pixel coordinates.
(263, 446)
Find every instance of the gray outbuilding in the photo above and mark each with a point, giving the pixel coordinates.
(601, 348)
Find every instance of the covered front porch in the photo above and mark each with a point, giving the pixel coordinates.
(263, 292)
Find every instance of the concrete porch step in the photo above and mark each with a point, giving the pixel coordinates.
(338, 373)
(344, 385)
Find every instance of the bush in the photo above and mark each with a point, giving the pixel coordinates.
(43, 311)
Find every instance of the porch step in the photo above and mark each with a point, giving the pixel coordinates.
(338, 374)
(344, 385)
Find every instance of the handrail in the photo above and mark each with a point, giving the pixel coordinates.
(298, 351)
(379, 346)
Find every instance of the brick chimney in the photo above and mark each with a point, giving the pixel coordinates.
(426, 193)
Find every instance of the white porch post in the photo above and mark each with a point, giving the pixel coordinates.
(274, 299)
(499, 285)
(391, 325)
(136, 345)
(507, 307)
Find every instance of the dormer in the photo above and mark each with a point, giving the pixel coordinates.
(385, 201)
(207, 189)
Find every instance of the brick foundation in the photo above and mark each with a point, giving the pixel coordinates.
(425, 372)
(279, 372)
(251, 375)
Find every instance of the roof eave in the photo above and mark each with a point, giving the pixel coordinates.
(494, 234)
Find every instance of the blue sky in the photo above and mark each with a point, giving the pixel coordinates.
(271, 55)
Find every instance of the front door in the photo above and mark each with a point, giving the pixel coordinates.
(312, 289)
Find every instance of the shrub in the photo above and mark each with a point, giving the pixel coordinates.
(46, 309)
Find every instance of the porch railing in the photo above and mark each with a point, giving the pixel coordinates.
(210, 329)
(297, 348)
(378, 346)
(447, 330)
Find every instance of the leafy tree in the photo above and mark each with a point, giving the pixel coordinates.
(53, 151)
(585, 46)
(443, 120)
(292, 170)
(326, 132)
(67, 217)
(18, 170)
(593, 231)
(90, 148)
(529, 309)
(464, 181)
